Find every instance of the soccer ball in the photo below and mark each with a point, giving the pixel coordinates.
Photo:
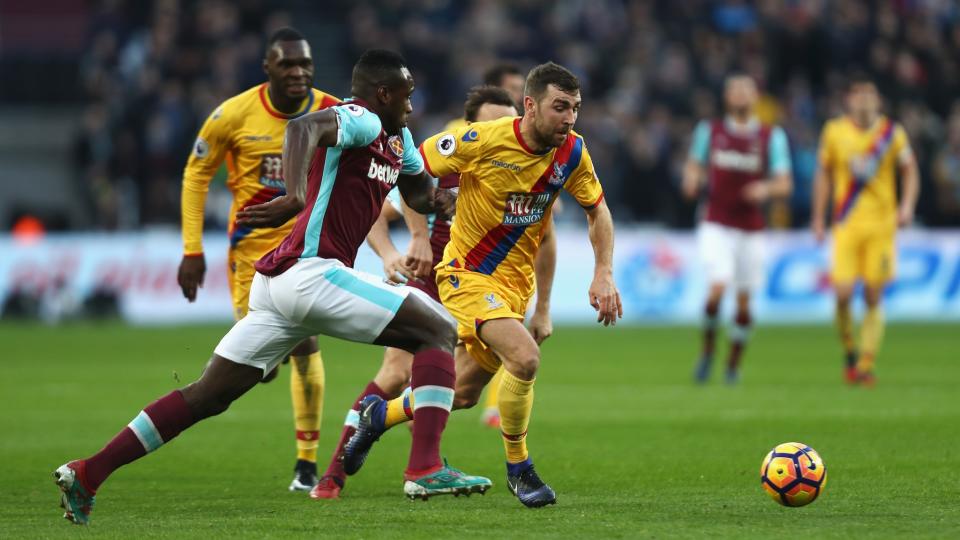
(793, 474)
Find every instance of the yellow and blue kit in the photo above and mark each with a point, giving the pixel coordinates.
(506, 194)
(246, 132)
(862, 164)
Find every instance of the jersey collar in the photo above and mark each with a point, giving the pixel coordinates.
(265, 100)
(523, 144)
(750, 126)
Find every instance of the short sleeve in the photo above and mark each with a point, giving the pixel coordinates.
(393, 198)
(901, 144)
(412, 162)
(825, 155)
(583, 183)
(357, 127)
(700, 143)
(779, 152)
(453, 151)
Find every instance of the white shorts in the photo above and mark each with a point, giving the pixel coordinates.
(731, 256)
(314, 296)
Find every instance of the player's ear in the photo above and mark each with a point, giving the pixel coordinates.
(266, 67)
(529, 104)
(384, 95)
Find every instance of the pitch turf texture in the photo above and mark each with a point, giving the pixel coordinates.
(632, 447)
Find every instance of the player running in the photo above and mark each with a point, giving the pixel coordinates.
(339, 164)
(511, 171)
(743, 164)
(860, 155)
(508, 76)
(483, 104)
(246, 131)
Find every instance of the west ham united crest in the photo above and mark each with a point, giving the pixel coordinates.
(396, 145)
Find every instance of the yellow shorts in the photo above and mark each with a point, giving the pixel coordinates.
(474, 298)
(240, 270)
(867, 253)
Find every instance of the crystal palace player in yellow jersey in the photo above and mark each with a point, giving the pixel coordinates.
(860, 156)
(246, 132)
(511, 171)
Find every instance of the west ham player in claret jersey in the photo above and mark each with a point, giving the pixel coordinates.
(339, 164)
(742, 164)
(246, 133)
(483, 103)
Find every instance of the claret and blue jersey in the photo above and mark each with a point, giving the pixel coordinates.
(346, 187)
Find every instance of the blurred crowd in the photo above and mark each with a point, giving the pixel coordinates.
(152, 71)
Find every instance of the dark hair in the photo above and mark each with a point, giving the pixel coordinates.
(377, 67)
(494, 76)
(544, 75)
(479, 96)
(284, 34)
(859, 77)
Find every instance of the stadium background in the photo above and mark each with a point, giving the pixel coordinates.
(106, 98)
(100, 102)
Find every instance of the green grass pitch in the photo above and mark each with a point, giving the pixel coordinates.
(632, 447)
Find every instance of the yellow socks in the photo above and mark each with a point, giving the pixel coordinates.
(516, 403)
(306, 389)
(493, 390)
(844, 321)
(400, 409)
(871, 334)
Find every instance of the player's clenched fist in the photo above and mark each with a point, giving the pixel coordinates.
(605, 298)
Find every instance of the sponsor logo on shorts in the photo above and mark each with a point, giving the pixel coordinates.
(455, 281)
(383, 173)
(492, 302)
(525, 208)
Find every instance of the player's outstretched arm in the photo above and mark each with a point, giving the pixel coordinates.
(544, 266)
(303, 136)
(381, 244)
(604, 296)
(422, 196)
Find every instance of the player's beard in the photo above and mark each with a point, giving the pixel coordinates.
(547, 137)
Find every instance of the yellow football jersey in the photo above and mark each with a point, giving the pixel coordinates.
(455, 124)
(247, 132)
(506, 195)
(863, 166)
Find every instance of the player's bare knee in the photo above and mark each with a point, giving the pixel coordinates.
(443, 334)
(525, 366)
